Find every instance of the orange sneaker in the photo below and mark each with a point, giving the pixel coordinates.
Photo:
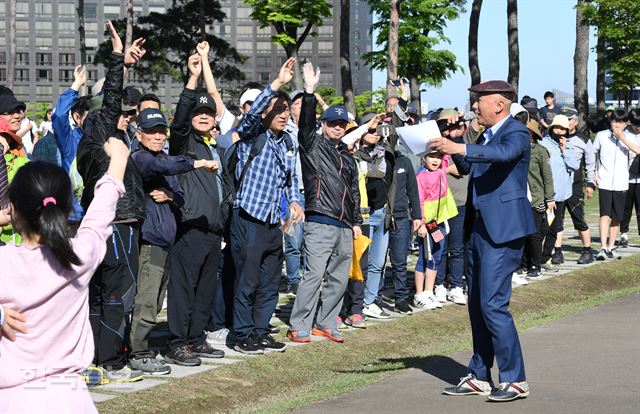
(331, 334)
(298, 336)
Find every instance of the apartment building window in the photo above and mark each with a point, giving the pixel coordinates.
(3, 75)
(264, 77)
(43, 59)
(3, 58)
(22, 58)
(92, 75)
(22, 75)
(43, 8)
(66, 75)
(22, 9)
(43, 27)
(22, 26)
(68, 59)
(90, 10)
(67, 9)
(43, 74)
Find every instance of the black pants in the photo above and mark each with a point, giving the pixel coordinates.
(575, 207)
(633, 200)
(533, 243)
(354, 296)
(552, 233)
(112, 293)
(190, 295)
(222, 311)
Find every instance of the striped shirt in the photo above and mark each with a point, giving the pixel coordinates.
(265, 182)
(563, 164)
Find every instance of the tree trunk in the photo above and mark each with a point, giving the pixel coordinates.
(392, 67)
(81, 32)
(580, 62)
(203, 22)
(11, 58)
(600, 79)
(414, 89)
(514, 50)
(129, 32)
(345, 54)
(474, 23)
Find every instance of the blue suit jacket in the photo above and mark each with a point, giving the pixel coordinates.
(498, 183)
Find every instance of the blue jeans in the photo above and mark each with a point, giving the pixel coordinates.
(455, 253)
(377, 255)
(399, 240)
(294, 251)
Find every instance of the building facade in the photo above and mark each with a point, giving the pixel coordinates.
(48, 45)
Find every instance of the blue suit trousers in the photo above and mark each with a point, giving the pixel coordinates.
(490, 266)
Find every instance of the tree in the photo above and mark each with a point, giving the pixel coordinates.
(580, 66)
(287, 17)
(345, 56)
(129, 31)
(474, 24)
(618, 29)
(171, 38)
(420, 30)
(369, 101)
(81, 32)
(393, 44)
(11, 62)
(514, 50)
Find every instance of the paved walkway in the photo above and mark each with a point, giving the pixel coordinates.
(586, 363)
(281, 318)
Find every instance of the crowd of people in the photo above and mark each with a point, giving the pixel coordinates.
(107, 207)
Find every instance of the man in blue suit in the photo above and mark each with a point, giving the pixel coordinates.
(498, 221)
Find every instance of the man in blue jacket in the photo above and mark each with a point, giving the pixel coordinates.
(497, 166)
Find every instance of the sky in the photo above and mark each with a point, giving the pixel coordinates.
(546, 30)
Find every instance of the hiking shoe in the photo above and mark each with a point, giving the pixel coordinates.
(249, 345)
(613, 254)
(374, 311)
(624, 242)
(301, 337)
(557, 257)
(124, 374)
(602, 255)
(403, 308)
(355, 321)
(292, 290)
(534, 274)
(441, 293)
(218, 337)
(268, 344)
(509, 391)
(204, 350)
(92, 376)
(586, 257)
(518, 280)
(331, 334)
(182, 356)
(548, 268)
(457, 296)
(469, 385)
(150, 366)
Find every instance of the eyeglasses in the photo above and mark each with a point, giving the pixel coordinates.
(16, 111)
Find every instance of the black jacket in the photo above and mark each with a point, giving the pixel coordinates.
(203, 208)
(407, 202)
(93, 162)
(329, 172)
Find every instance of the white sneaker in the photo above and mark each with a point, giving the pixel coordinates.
(441, 293)
(518, 280)
(430, 301)
(218, 337)
(456, 295)
(374, 311)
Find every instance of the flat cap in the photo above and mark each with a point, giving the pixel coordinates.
(494, 87)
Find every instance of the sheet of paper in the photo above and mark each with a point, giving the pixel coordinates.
(416, 137)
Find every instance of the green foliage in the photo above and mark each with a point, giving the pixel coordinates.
(370, 101)
(287, 16)
(36, 111)
(171, 38)
(618, 22)
(421, 28)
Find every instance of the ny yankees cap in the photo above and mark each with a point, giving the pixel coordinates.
(204, 100)
(335, 113)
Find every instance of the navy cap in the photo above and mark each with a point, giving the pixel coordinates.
(335, 113)
(9, 103)
(494, 87)
(204, 100)
(412, 109)
(150, 118)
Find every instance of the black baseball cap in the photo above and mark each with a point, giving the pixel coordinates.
(204, 100)
(9, 103)
(150, 118)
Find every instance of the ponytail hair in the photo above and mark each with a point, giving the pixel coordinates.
(41, 196)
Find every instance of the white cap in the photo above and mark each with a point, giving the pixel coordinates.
(249, 95)
(516, 108)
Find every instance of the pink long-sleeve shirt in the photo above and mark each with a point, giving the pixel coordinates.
(59, 343)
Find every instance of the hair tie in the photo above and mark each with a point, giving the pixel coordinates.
(49, 200)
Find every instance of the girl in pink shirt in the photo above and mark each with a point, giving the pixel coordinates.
(46, 278)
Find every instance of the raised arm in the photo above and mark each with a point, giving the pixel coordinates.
(307, 122)
(209, 80)
(181, 124)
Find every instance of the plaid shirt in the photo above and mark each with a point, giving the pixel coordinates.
(265, 182)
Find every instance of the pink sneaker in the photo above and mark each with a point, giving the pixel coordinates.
(356, 321)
